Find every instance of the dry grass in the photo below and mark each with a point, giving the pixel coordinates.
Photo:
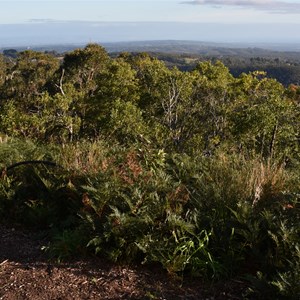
(85, 157)
(267, 180)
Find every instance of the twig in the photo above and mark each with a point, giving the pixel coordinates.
(28, 162)
(4, 262)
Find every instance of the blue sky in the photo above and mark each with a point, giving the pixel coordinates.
(271, 14)
(212, 11)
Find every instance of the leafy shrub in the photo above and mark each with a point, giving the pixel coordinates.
(137, 212)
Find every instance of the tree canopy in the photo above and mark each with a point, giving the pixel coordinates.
(91, 94)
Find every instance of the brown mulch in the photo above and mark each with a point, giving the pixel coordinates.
(26, 273)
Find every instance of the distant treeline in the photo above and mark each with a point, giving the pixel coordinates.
(282, 66)
(285, 70)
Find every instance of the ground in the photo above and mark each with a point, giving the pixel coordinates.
(27, 273)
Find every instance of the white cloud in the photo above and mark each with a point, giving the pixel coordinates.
(271, 6)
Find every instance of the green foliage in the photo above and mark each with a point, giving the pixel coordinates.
(117, 85)
(67, 244)
(262, 118)
(137, 212)
(197, 171)
(83, 65)
(6, 195)
(2, 70)
(35, 194)
(28, 76)
(151, 73)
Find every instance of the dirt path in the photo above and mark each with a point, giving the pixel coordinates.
(25, 273)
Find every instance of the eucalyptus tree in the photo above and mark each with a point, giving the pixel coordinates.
(25, 83)
(264, 119)
(180, 110)
(213, 97)
(116, 86)
(81, 67)
(185, 109)
(28, 77)
(151, 74)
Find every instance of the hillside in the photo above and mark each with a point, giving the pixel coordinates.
(282, 65)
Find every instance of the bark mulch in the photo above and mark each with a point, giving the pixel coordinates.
(26, 273)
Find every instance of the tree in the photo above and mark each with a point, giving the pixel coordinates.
(213, 95)
(28, 77)
(151, 74)
(2, 70)
(25, 83)
(116, 84)
(165, 100)
(12, 53)
(81, 67)
(263, 117)
(179, 108)
(61, 116)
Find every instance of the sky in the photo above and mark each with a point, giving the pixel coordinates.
(122, 20)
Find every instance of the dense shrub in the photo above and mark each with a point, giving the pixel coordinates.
(198, 172)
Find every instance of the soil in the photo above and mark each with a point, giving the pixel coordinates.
(27, 273)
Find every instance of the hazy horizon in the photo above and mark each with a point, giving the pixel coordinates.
(32, 23)
(44, 33)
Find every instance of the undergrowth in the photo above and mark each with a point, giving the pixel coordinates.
(215, 217)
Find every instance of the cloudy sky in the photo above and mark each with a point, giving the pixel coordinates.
(198, 20)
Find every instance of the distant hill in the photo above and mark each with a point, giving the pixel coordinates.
(191, 47)
(281, 65)
(207, 48)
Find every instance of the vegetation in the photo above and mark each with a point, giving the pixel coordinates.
(197, 171)
(280, 63)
